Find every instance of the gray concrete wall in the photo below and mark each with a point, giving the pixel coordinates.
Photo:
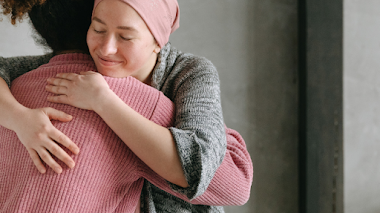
(253, 44)
(361, 106)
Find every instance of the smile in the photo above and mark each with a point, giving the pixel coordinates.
(108, 62)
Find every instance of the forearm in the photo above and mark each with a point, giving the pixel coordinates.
(11, 68)
(9, 106)
(232, 182)
(152, 143)
(199, 127)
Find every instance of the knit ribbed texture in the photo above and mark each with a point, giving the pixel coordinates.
(192, 83)
(11, 68)
(229, 185)
(105, 178)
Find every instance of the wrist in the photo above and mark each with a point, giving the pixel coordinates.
(15, 115)
(102, 101)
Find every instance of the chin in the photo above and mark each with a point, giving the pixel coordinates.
(114, 73)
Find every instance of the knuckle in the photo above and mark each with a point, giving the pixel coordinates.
(40, 136)
(42, 110)
(57, 89)
(70, 146)
(61, 138)
(54, 149)
(70, 99)
(54, 89)
(44, 155)
(59, 98)
(59, 81)
(42, 132)
(44, 129)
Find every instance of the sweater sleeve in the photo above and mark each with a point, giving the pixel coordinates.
(199, 127)
(232, 182)
(11, 68)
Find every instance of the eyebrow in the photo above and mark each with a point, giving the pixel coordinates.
(119, 27)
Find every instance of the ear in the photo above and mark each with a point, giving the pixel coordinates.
(157, 49)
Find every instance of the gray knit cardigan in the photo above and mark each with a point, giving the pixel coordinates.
(192, 83)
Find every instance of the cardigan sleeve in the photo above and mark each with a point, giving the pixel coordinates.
(199, 130)
(232, 182)
(13, 67)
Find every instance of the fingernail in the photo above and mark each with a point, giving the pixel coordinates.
(72, 164)
(58, 170)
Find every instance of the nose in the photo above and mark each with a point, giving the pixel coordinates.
(108, 45)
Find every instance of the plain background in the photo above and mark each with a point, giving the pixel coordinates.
(253, 44)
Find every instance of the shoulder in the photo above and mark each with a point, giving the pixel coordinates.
(177, 70)
(193, 68)
(190, 62)
(194, 75)
(178, 61)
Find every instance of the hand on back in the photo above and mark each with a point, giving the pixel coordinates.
(41, 138)
(84, 90)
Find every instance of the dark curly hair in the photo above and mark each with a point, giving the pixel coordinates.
(62, 23)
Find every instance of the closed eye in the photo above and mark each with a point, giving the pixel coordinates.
(99, 32)
(125, 39)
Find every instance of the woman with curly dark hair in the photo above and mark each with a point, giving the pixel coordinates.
(108, 176)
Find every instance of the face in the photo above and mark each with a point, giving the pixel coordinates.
(120, 42)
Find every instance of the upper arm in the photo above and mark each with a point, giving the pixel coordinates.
(13, 67)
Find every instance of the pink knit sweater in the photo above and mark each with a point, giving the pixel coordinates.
(108, 177)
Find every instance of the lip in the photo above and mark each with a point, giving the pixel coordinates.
(108, 62)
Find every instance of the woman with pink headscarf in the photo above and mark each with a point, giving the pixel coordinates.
(130, 39)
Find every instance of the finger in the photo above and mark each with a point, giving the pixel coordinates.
(59, 81)
(87, 72)
(59, 90)
(54, 114)
(37, 161)
(62, 139)
(46, 157)
(60, 99)
(68, 76)
(58, 152)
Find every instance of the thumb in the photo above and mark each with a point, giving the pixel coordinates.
(54, 114)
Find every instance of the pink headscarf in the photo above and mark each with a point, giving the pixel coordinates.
(161, 16)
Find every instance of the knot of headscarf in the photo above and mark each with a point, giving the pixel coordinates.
(161, 16)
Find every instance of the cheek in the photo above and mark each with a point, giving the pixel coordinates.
(91, 40)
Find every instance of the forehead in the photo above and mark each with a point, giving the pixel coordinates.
(116, 12)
